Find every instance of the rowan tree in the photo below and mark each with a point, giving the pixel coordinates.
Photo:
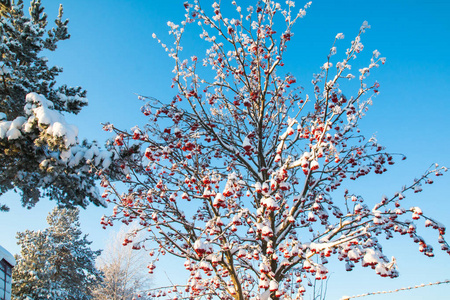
(40, 154)
(55, 263)
(239, 173)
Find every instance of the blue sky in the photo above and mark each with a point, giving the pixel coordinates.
(112, 55)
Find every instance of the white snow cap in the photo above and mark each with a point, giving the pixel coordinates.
(43, 111)
(265, 295)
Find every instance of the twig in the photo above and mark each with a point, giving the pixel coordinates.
(396, 290)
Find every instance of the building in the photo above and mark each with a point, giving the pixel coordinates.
(7, 262)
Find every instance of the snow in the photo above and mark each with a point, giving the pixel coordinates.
(371, 257)
(70, 99)
(265, 295)
(17, 123)
(39, 110)
(246, 144)
(4, 127)
(106, 158)
(89, 154)
(39, 114)
(13, 134)
(35, 98)
(56, 124)
(4, 254)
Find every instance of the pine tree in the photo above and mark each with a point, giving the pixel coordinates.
(37, 147)
(55, 263)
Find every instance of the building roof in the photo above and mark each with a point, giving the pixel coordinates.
(7, 256)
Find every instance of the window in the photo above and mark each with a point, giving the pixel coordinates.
(5, 280)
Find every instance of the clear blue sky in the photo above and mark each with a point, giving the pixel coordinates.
(112, 55)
